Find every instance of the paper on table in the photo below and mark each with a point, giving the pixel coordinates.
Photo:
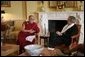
(30, 38)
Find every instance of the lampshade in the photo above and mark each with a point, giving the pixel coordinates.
(2, 12)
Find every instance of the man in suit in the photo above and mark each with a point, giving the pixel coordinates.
(63, 37)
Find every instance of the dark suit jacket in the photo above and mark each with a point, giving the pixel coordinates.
(64, 39)
(69, 33)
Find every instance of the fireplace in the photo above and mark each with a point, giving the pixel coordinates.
(53, 21)
(56, 25)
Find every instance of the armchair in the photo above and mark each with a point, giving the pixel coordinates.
(75, 38)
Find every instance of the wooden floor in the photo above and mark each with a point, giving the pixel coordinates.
(10, 41)
(14, 41)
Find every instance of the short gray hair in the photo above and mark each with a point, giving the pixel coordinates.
(72, 19)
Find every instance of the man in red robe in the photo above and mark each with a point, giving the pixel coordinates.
(28, 28)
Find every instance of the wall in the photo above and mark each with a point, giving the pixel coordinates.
(15, 12)
(20, 11)
(32, 8)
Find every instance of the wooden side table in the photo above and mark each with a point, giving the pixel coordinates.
(9, 50)
(46, 38)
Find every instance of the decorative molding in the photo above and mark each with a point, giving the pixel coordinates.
(5, 3)
(52, 4)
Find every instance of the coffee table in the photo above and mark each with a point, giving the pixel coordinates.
(46, 52)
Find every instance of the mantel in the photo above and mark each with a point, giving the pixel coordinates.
(63, 15)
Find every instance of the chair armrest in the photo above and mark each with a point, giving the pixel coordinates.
(36, 39)
(75, 37)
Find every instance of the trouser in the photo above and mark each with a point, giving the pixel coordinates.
(55, 40)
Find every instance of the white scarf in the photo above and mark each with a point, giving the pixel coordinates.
(66, 27)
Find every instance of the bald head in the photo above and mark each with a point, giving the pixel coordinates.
(71, 19)
(31, 18)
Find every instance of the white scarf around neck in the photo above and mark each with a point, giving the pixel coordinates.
(66, 27)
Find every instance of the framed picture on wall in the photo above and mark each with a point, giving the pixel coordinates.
(52, 4)
(71, 4)
(5, 3)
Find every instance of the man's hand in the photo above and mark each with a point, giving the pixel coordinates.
(73, 37)
(31, 31)
(59, 33)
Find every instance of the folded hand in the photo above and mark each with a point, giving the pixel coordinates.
(59, 33)
(31, 31)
